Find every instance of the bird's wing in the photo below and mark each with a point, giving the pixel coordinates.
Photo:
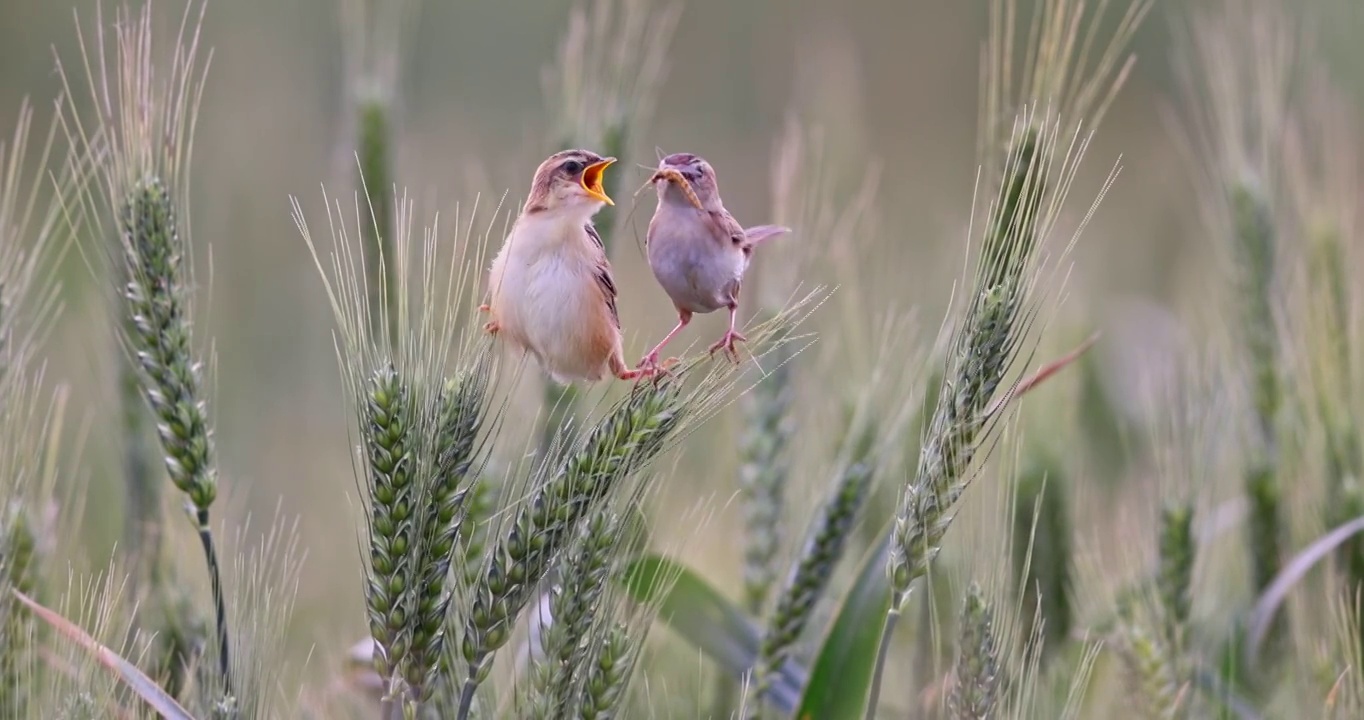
(602, 274)
(728, 230)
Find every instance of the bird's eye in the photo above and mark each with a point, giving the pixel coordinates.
(573, 167)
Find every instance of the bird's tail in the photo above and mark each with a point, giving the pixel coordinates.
(758, 233)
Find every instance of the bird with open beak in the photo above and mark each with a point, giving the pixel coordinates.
(697, 250)
(550, 286)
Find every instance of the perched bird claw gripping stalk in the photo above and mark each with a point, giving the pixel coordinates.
(697, 250)
(552, 294)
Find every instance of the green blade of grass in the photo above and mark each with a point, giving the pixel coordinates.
(699, 613)
(844, 668)
(135, 679)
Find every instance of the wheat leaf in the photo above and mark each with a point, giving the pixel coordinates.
(842, 673)
(135, 679)
(704, 617)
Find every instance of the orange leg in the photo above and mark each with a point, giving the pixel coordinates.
(731, 336)
(622, 372)
(650, 361)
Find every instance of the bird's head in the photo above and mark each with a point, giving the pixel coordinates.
(571, 179)
(699, 174)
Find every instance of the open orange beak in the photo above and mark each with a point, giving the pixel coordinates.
(592, 177)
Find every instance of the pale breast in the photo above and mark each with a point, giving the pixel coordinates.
(697, 271)
(547, 302)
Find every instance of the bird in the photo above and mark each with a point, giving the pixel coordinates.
(697, 251)
(551, 294)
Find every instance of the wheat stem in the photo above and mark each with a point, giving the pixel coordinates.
(882, 652)
(376, 172)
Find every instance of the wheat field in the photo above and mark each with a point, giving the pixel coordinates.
(1046, 408)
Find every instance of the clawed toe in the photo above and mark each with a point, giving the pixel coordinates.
(650, 368)
(727, 344)
(491, 327)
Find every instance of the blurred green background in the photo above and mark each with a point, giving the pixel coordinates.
(888, 81)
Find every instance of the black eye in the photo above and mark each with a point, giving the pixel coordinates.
(573, 167)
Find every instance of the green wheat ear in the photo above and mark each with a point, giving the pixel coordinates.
(1153, 681)
(1254, 235)
(134, 156)
(983, 352)
(155, 295)
(976, 692)
(1174, 577)
(442, 513)
(608, 671)
(631, 436)
(813, 570)
(576, 602)
(388, 418)
(763, 475)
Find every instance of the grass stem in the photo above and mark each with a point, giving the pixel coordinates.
(883, 651)
(376, 173)
(219, 606)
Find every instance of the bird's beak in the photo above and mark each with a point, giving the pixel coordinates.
(592, 177)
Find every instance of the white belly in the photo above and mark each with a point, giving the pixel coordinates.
(545, 304)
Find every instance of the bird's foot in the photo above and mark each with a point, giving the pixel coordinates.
(726, 344)
(651, 364)
(637, 374)
(485, 307)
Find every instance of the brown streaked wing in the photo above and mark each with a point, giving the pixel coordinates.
(603, 276)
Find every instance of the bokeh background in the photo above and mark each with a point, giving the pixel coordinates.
(889, 83)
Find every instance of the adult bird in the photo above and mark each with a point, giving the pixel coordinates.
(551, 291)
(697, 250)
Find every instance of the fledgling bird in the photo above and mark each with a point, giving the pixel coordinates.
(551, 292)
(698, 254)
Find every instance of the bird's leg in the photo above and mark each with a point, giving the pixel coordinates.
(491, 327)
(650, 361)
(619, 369)
(731, 336)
